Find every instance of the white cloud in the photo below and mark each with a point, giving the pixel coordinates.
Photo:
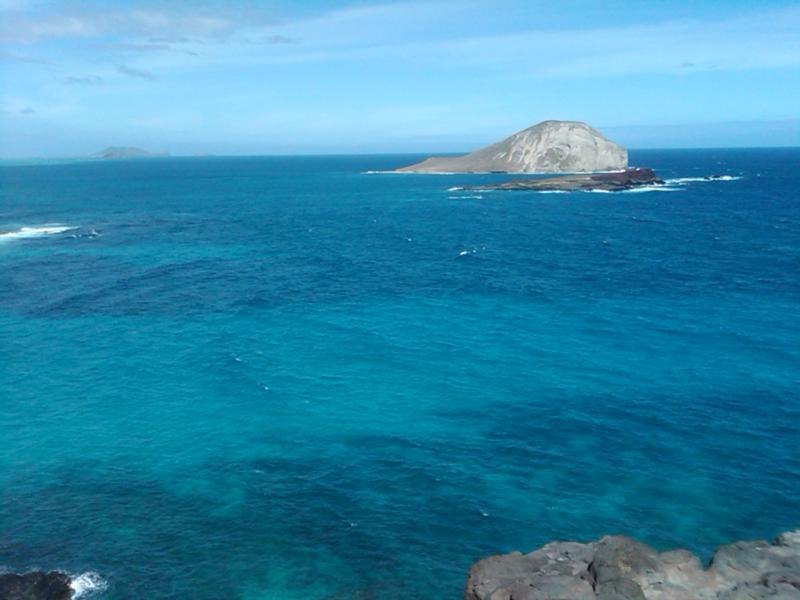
(84, 80)
(136, 73)
(412, 33)
(21, 27)
(763, 39)
(396, 35)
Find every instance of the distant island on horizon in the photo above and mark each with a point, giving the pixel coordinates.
(119, 152)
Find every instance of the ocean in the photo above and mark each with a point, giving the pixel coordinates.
(278, 378)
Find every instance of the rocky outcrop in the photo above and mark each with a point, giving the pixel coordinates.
(549, 147)
(38, 585)
(620, 568)
(606, 182)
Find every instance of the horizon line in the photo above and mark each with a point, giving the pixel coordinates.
(168, 155)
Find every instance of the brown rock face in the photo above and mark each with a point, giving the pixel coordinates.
(620, 568)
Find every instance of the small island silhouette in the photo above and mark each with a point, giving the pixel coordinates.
(118, 152)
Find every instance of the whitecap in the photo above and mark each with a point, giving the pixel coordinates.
(435, 172)
(652, 188)
(390, 172)
(32, 232)
(682, 180)
(467, 197)
(685, 179)
(87, 584)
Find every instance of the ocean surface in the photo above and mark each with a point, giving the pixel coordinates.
(283, 378)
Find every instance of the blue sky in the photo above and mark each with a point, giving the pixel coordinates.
(391, 76)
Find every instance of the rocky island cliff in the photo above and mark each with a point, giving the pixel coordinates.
(620, 568)
(549, 147)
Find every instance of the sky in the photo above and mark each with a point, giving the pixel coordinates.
(285, 77)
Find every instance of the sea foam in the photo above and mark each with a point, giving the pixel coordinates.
(87, 584)
(32, 232)
(682, 180)
(652, 188)
(392, 172)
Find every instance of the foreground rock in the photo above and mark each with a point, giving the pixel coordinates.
(606, 182)
(620, 568)
(38, 585)
(549, 147)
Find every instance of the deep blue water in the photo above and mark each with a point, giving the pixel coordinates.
(279, 378)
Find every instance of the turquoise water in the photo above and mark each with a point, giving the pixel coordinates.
(279, 378)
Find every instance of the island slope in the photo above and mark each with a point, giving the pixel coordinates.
(549, 147)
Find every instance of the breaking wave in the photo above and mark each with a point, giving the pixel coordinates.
(33, 232)
(87, 584)
(682, 180)
(390, 172)
(652, 188)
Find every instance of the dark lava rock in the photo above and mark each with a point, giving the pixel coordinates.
(38, 585)
(620, 568)
(608, 182)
